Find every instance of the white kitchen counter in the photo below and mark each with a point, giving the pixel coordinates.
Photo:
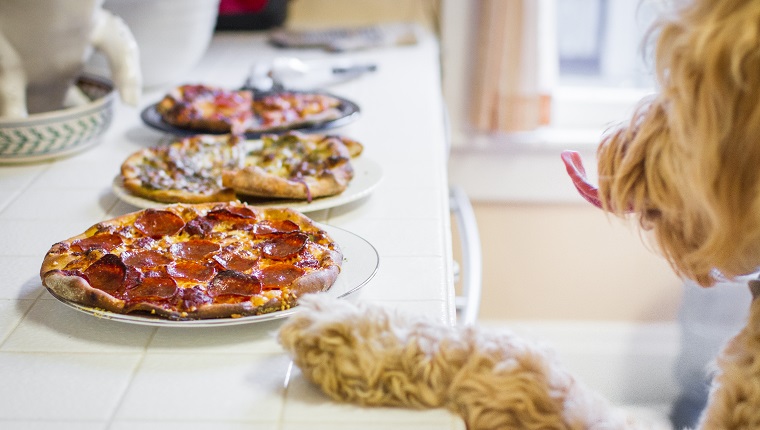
(63, 369)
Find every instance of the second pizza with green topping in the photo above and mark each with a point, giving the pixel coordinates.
(208, 168)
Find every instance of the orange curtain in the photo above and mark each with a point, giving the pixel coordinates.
(513, 72)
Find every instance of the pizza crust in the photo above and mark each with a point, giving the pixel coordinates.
(76, 289)
(255, 181)
(315, 282)
(296, 166)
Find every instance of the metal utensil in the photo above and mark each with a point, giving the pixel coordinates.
(296, 74)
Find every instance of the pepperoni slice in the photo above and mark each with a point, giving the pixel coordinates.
(242, 211)
(196, 249)
(191, 298)
(154, 287)
(107, 274)
(199, 226)
(60, 248)
(143, 242)
(193, 91)
(275, 226)
(231, 213)
(280, 275)
(308, 260)
(133, 278)
(191, 271)
(230, 282)
(157, 223)
(107, 242)
(284, 246)
(234, 261)
(145, 258)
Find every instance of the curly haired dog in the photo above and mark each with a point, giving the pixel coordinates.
(687, 166)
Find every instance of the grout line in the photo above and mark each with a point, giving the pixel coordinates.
(36, 177)
(281, 417)
(54, 423)
(20, 320)
(15, 195)
(28, 185)
(132, 375)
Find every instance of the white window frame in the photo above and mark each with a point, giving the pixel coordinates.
(520, 167)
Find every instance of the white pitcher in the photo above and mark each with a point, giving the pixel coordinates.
(44, 45)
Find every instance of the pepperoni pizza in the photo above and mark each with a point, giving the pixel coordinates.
(212, 109)
(208, 109)
(210, 260)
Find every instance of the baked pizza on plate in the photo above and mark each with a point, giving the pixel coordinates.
(207, 109)
(295, 166)
(198, 108)
(195, 261)
(208, 168)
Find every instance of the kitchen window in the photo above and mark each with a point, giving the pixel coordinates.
(592, 67)
(604, 66)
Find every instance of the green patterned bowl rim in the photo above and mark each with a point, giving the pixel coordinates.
(82, 125)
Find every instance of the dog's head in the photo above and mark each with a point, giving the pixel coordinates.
(688, 162)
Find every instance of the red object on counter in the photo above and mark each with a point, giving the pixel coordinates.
(229, 7)
(251, 14)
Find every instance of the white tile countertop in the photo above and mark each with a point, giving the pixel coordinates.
(64, 369)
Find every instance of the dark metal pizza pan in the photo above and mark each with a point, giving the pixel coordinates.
(349, 112)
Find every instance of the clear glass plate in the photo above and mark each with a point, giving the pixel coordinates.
(360, 264)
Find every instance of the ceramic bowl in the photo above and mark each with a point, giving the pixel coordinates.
(48, 135)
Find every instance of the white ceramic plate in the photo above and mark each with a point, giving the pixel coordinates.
(360, 263)
(367, 175)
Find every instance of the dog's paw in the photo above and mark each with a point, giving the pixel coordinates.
(321, 324)
(367, 354)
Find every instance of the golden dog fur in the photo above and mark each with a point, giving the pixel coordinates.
(687, 165)
(494, 380)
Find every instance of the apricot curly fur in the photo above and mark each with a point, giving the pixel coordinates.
(687, 162)
(367, 355)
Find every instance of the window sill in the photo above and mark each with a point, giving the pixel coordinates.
(526, 167)
(520, 167)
